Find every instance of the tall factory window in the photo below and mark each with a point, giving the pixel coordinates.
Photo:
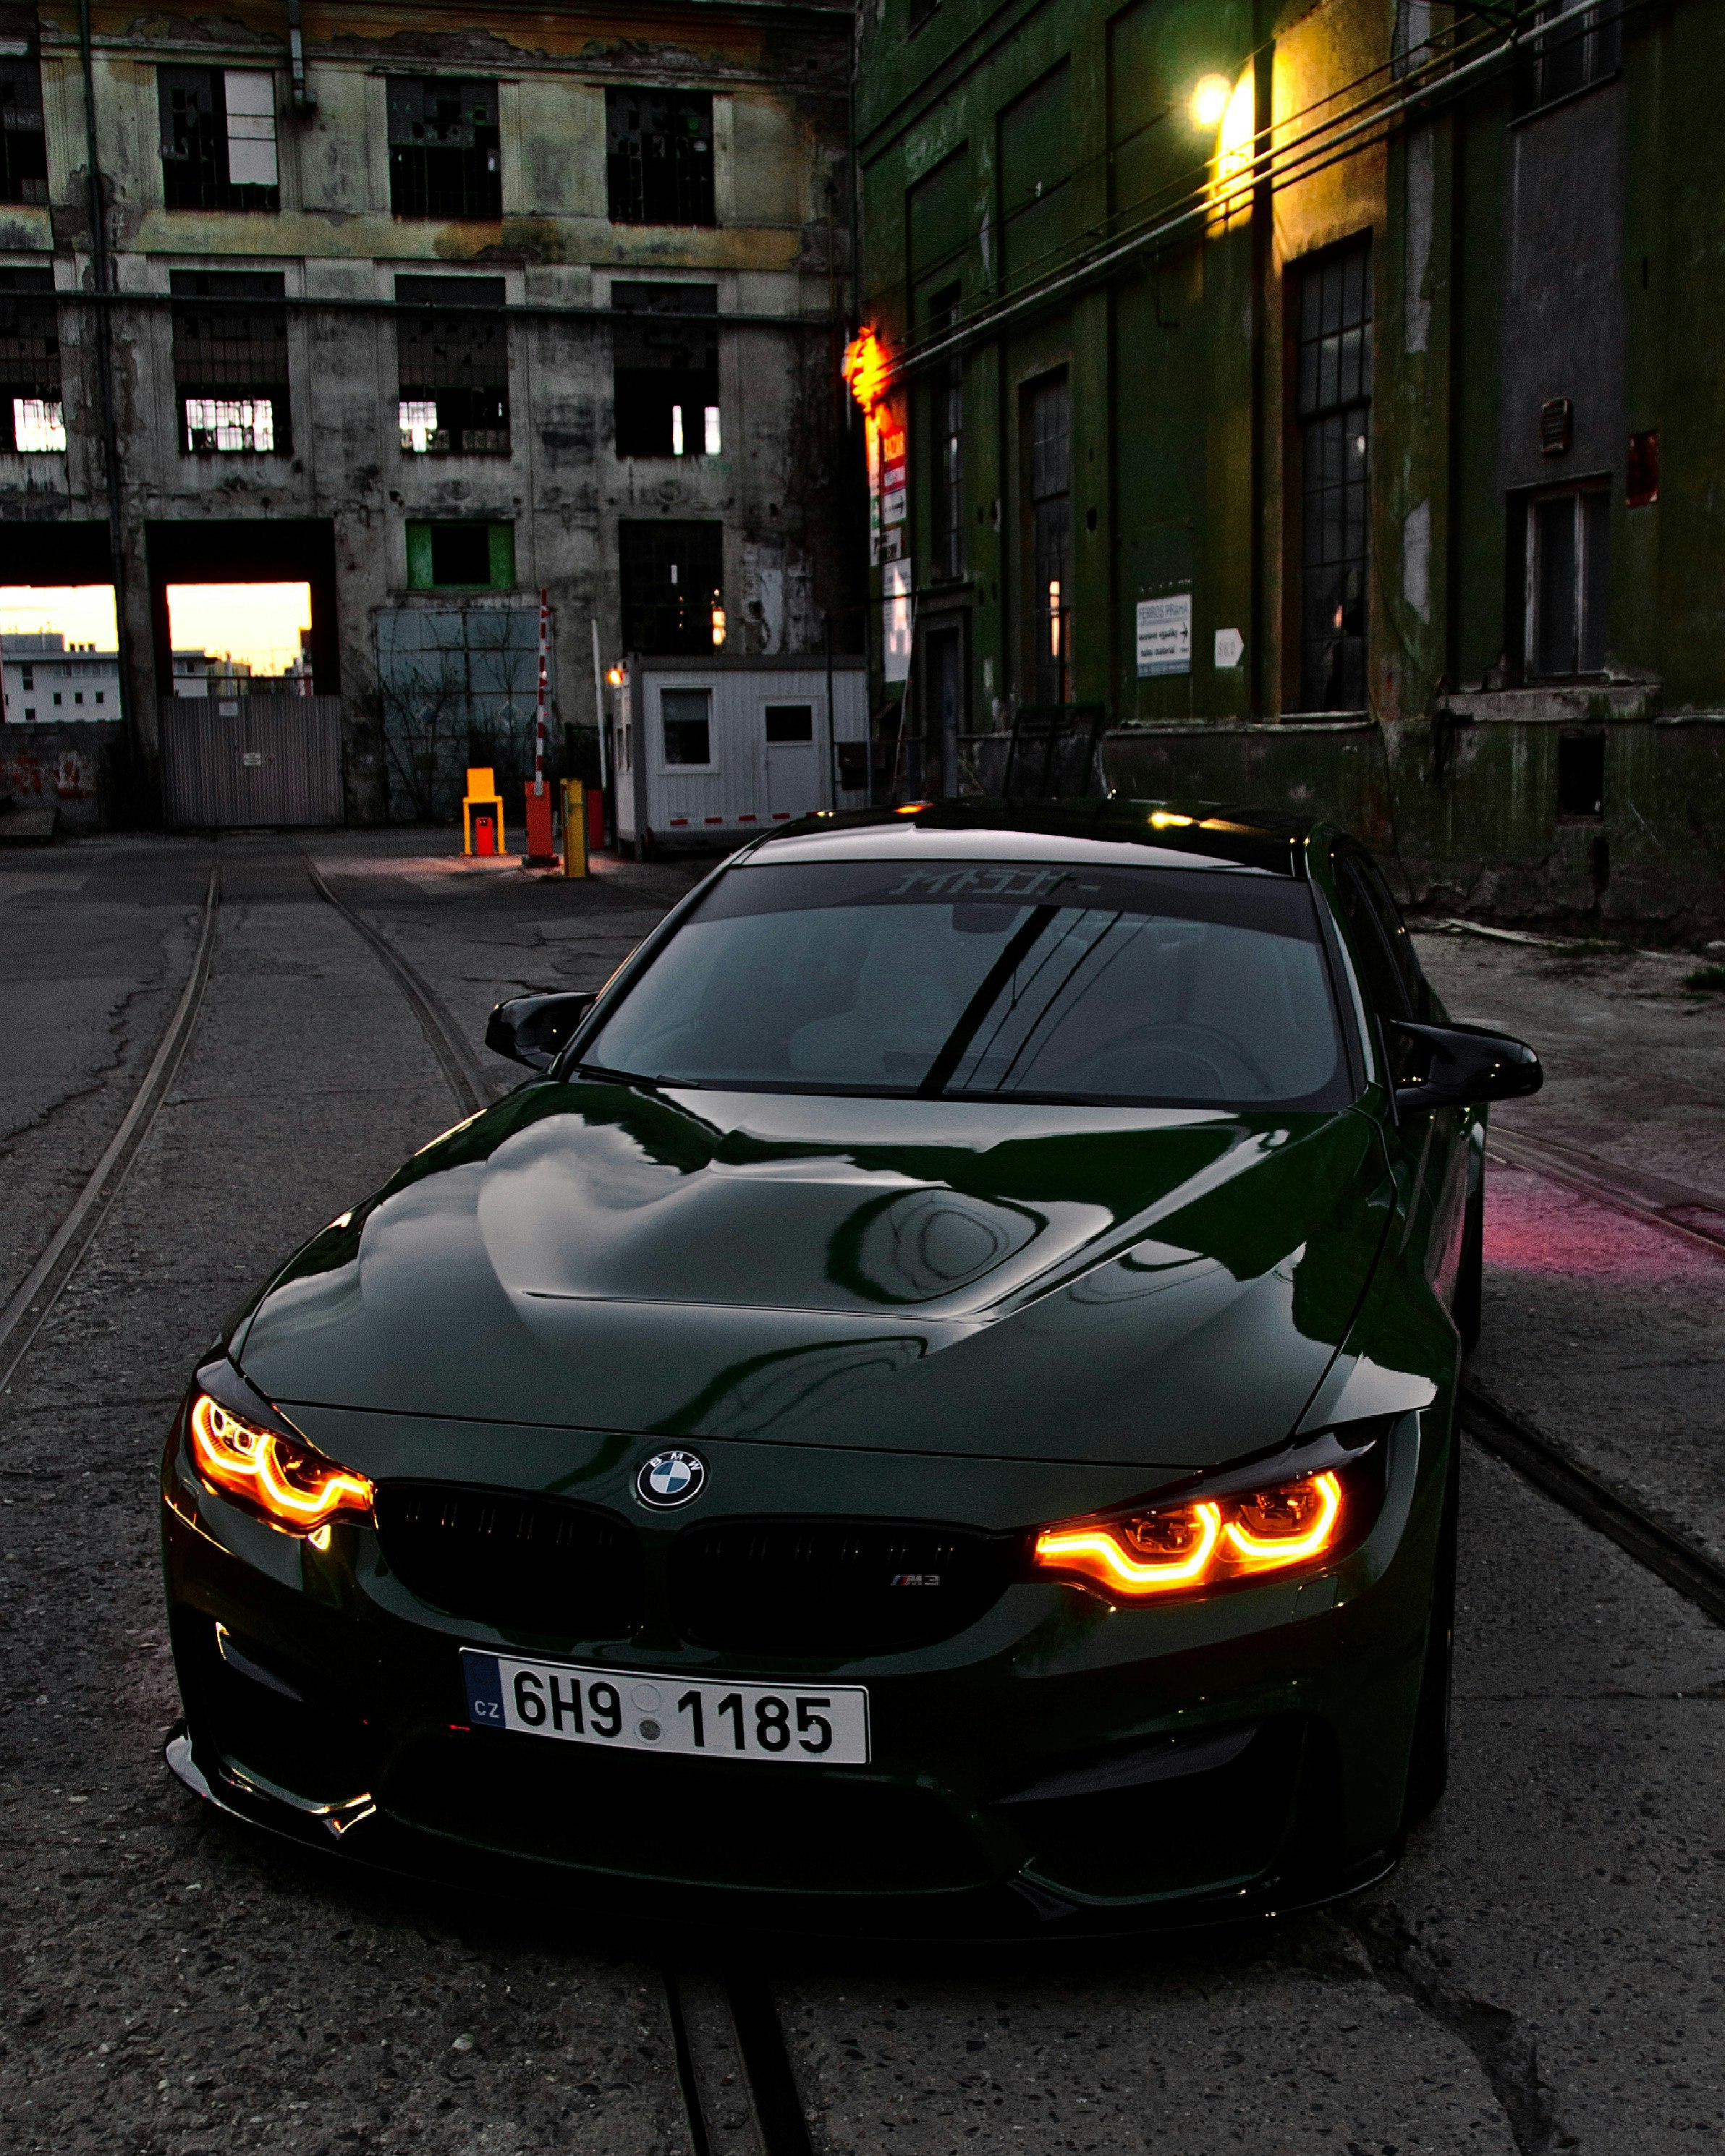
(1047, 439)
(1333, 399)
(30, 361)
(946, 499)
(444, 154)
(1568, 566)
(666, 378)
(672, 586)
(23, 145)
(1570, 49)
(230, 361)
(218, 138)
(452, 357)
(659, 156)
(1038, 131)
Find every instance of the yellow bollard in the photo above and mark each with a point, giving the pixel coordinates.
(574, 827)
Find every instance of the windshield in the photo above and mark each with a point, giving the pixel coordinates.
(966, 978)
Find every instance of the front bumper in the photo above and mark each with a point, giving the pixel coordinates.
(1057, 1767)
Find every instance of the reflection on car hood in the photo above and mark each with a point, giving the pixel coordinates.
(1111, 1284)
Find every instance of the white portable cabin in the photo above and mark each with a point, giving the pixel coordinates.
(710, 752)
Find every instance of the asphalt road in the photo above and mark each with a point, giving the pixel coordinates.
(1544, 1973)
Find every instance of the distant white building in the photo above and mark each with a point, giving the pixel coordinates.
(47, 682)
(195, 674)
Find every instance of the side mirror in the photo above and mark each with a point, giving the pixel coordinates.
(536, 1030)
(1466, 1066)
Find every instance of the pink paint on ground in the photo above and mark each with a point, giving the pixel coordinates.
(1537, 1226)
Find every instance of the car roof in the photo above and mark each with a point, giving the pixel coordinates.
(1191, 834)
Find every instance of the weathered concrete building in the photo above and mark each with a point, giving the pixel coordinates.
(1323, 395)
(430, 307)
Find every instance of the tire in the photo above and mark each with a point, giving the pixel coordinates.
(1467, 1306)
(1429, 1761)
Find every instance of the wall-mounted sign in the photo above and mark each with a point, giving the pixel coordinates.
(892, 475)
(1230, 648)
(1165, 634)
(896, 621)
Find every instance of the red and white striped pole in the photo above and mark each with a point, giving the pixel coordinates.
(539, 720)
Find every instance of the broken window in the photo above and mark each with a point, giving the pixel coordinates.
(30, 361)
(230, 361)
(444, 158)
(23, 145)
(665, 383)
(672, 586)
(218, 138)
(1568, 587)
(452, 355)
(1333, 395)
(659, 161)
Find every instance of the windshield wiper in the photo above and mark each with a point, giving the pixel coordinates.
(604, 1070)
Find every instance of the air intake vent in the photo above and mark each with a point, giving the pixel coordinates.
(521, 1563)
(832, 1587)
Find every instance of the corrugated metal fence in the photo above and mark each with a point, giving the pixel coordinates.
(230, 762)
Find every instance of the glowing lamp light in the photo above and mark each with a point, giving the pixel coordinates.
(1210, 101)
(1165, 820)
(281, 1479)
(615, 676)
(718, 626)
(1236, 148)
(867, 366)
(1195, 1545)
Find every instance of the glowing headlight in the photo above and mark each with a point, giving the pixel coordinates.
(282, 1479)
(1201, 1544)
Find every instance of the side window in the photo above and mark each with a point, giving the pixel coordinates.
(1386, 989)
(1394, 930)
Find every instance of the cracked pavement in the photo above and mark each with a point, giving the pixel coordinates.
(1542, 1973)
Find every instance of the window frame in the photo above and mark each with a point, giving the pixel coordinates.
(225, 196)
(626, 189)
(1306, 510)
(23, 71)
(461, 88)
(662, 766)
(1595, 490)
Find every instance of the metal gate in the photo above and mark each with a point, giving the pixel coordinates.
(228, 763)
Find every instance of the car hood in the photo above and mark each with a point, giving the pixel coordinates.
(1113, 1285)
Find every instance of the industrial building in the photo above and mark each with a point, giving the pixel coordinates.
(1318, 401)
(428, 308)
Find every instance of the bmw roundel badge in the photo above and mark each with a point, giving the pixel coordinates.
(670, 1478)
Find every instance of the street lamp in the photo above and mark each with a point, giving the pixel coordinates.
(1210, 101)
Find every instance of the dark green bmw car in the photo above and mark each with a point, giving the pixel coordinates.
(932, 1409)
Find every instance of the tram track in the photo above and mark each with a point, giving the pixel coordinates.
(32, 1303)
(738, 2087)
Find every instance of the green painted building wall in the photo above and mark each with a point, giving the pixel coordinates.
(1038, 201)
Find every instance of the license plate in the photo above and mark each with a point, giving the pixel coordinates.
(647, 1711)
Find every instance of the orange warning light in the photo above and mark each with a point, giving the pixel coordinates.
(867, 366)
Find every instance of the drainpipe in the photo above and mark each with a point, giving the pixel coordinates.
(102, 271)
(304, 100)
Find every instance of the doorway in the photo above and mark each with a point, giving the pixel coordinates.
(792, 754)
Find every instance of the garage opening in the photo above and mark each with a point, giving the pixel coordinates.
(234, 640)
